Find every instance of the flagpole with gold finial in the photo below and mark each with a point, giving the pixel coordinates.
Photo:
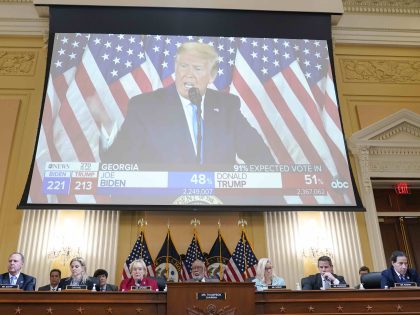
(141, 223)
(220, 250)
(194, 223)
(243, 223)
(167, 252)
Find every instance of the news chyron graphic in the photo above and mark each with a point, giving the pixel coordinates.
(269, 131)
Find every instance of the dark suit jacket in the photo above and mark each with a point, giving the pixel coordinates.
(25, 282)
(45, 288)
(155, 132)
(109, 287)
(314, 282)
(389, 277)
(90, 281)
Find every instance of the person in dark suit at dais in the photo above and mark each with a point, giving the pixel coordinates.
(78, 276)
(14, 276)
(399, 271)
(161, 126)
(102, 276)
(55, 277)
(198, 273)
(325, 278)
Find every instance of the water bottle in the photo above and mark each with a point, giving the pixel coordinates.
(361, 286)
(298, 287)
(94, 287)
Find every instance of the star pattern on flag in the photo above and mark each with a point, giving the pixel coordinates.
(194, 252)
(139, 250)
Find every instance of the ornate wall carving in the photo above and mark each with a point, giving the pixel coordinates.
(401, 128)
(407, 7)
(390, 148)
(17, 62)
(380, 71)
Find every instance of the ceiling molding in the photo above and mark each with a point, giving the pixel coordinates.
(366, 22)
(397, 7)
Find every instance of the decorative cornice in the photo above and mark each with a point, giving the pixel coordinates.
(17, 63)
(404, 127)
(399, 7)
(16, 1)
(380, 71)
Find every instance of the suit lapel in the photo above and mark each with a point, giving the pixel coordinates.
(318, 281)
(5, 279)
(212, 123)
(181, 137)
(20, 281)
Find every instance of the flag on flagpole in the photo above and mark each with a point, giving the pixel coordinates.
(168, 261)
(243, 262)
(218, 257)
(140, 250)
(194, 252)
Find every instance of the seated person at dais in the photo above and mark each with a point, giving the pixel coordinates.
(198, 273)
(399, 271)
(325, 278)
(138, 271)
(55, 277)
(265, 276)
(102, 276)
(78, 276)
(364, 270)
(13, 275)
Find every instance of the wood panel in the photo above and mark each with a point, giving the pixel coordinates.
(392, 301)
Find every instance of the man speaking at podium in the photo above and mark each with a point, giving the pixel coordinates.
(187, 123)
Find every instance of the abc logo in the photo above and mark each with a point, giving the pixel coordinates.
(338, 184)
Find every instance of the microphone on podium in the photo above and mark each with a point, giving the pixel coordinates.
(196, 98)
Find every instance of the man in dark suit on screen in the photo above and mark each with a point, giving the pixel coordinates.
(14, 276)
(55, 277)
(399, 271)
(325, 278)
(162, 128)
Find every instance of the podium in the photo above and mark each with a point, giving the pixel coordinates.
(201, 298)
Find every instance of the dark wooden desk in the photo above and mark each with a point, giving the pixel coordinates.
(233, 298)
(404, 301)
(339, 301)
(82, 303)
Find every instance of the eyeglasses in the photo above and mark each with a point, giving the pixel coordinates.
(268, 268)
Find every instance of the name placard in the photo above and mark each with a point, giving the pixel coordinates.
(141, 287)
(340, 286)
(76, 287)
(210, 296)
(272, 287)
(9, 286)
(405, 284)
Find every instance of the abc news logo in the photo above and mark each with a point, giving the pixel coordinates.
(338, 184)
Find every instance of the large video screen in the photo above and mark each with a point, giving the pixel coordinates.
(156, 121)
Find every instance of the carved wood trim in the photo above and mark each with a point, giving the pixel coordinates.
(380, 71)
(17, 62)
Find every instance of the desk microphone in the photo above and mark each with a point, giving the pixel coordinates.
(196, 98)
